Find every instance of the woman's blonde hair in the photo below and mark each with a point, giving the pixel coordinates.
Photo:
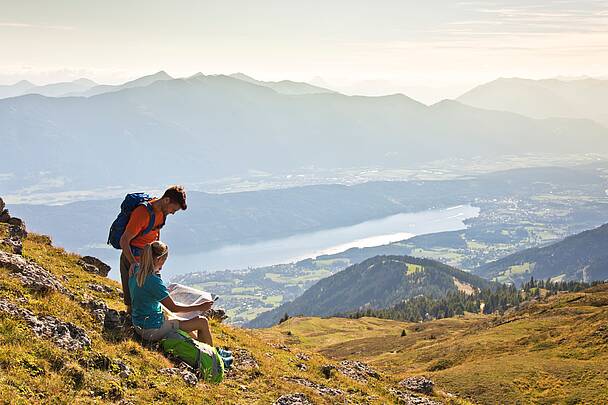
(152, 251)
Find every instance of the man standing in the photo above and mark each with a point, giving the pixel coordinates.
(135, 238)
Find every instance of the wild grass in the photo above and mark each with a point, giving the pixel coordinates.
(34, 370)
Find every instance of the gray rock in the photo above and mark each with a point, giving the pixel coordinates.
(94, 265)
(125, 371)
(31, 275)
(15, 244)
(100, 288)
(2, 205)
(293, 399)
(418, 384)
(115, 321)
(98, 308)
(357, 370)
(188, 376)
(64, 334)
(303, 356)
(17, 228)
(411, 399)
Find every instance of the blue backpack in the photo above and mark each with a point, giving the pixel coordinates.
(119, 225)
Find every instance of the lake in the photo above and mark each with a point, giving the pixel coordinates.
(309, 245)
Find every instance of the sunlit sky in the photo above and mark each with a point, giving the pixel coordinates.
(428, 50)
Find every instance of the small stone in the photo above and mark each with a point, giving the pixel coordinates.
(100, 288)
(302, 366)
(188, 377)
(303, 356)
(125, 371)
(293, 399)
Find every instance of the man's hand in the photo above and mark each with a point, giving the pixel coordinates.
(205, 306)
(132, 269)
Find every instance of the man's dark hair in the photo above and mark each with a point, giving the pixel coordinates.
(176, 194)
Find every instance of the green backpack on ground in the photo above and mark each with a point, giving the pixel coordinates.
(198, 355)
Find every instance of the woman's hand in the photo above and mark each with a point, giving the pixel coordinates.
(205, 306)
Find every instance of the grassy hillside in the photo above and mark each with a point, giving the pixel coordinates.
(578, 257)
(37, 370)
(552, 351)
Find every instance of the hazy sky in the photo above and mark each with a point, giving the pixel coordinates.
(429, 49)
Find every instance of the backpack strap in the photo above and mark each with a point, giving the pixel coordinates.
(152, 218)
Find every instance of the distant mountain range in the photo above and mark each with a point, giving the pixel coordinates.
(379, 282)
(105, 88)
(284, 86)
(584, 98)
(50, 90)
(582, 257)
(216, 126)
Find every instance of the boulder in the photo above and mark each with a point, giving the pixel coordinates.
(293, 399)
(94, 265)
(2, 205)
(418, 384)
(64, 334)
(4, 216)
(31, 274)
(17, 228)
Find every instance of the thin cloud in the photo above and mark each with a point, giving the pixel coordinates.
(6, 24)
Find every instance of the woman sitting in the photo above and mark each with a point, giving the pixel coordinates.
(147, 293)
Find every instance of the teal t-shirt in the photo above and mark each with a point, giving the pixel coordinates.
(145, 301)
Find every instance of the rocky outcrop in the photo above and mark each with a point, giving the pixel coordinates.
(16, 229)
(407, 398)
(98, 308)
(418, 384)
(94, 265)
(4, 215)
(31, 274)
(357, 370)
(293, 399)
(64, 334)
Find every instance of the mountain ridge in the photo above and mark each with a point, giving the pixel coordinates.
(580, 257)
(222, 119)
(378, 282)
